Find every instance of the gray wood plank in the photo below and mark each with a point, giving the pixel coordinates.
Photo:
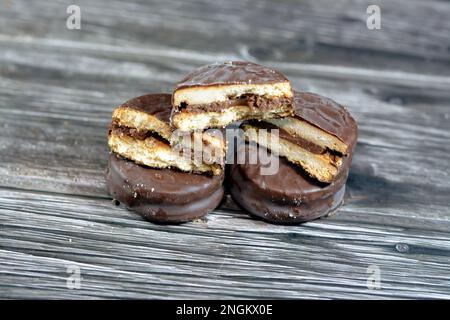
(413, 36)
(226, 256)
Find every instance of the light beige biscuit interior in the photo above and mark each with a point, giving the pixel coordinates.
(300, 128)
(157, 154)
(324, 167)
(221, 93)
(141, 121)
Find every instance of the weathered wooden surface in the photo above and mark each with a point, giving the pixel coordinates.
(58, 88)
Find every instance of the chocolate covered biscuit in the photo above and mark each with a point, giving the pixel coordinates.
(162, 195)
(218, 94)
(141, 131)
(290, 195)
(317, 138)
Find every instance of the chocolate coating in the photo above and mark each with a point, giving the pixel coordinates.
(231, 72)
(158, 105)
(162, 195)
(289, 196)
(327, 115)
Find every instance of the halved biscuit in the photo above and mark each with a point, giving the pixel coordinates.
(218, 94)
(148, 113)
(323, 166)
(141, 131)
(155, 153)
(317, 137)
(320, 121)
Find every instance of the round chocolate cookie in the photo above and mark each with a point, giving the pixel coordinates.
(231, 72)
(162, 195)
(327, 115)
(289, 195)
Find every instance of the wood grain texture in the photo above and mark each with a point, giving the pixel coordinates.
(229, 255)
(413, 37)
(57, 91)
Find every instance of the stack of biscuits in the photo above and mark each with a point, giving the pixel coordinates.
(155, 169)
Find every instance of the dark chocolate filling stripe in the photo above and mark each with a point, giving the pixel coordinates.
(134, 133)
(252, 101)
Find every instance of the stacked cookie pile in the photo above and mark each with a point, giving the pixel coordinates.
(149, 175)
(315, 138)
